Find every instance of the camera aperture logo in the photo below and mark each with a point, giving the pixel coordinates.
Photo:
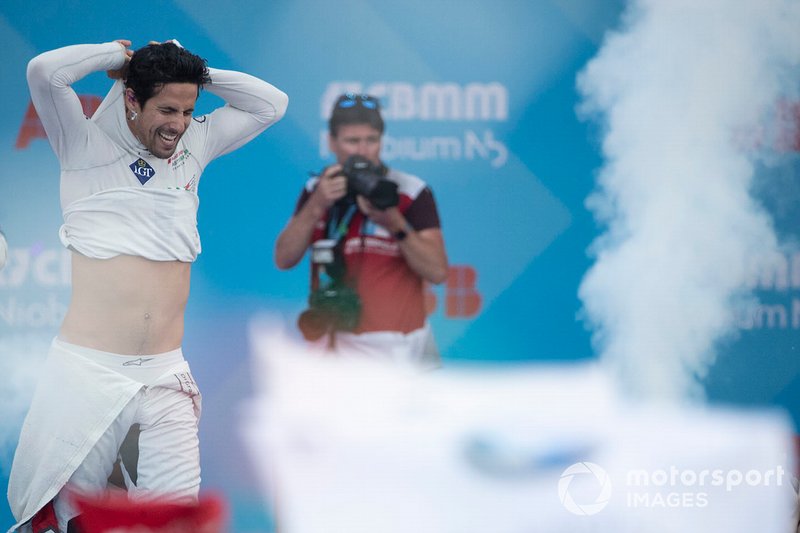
(584, 489)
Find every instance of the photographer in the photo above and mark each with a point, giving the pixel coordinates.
(383, 227)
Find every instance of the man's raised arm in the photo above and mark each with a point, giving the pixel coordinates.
(50, 78)
(252, 105)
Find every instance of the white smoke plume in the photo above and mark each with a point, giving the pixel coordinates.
(674, 88)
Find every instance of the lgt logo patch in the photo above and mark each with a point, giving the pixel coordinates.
(143, 170)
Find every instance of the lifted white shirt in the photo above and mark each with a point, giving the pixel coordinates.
(117, 197)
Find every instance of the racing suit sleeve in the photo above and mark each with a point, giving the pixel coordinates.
(252, 105)
(50, 78)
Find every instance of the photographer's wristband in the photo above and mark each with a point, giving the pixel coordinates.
(401, 234)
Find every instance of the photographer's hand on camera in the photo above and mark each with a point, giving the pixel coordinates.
(390, 218)
(331, 187)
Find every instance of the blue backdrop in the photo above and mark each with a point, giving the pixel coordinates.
(480, 102)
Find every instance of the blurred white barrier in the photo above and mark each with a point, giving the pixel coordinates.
(356, 446)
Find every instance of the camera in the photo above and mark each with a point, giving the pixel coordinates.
(332, 305)
(366, 179)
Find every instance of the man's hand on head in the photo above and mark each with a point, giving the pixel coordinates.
(120, 73)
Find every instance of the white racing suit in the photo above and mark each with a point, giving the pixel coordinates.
(85, 403)
(117, 198)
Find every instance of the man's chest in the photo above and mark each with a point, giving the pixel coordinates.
(181, 170)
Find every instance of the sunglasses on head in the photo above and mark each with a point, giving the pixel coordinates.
(351, 100)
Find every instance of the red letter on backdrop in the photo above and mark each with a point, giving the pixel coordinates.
(462, 298)
(32, 127)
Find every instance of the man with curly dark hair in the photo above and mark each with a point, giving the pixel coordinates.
(129, 176)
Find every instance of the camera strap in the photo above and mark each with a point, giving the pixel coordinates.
(339, 218)
(337, 225)
(341, 214)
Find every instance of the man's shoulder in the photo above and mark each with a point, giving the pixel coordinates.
(407, 184)
(111, 105)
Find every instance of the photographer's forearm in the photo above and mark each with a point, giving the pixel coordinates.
(295, 238)
(424, 252)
